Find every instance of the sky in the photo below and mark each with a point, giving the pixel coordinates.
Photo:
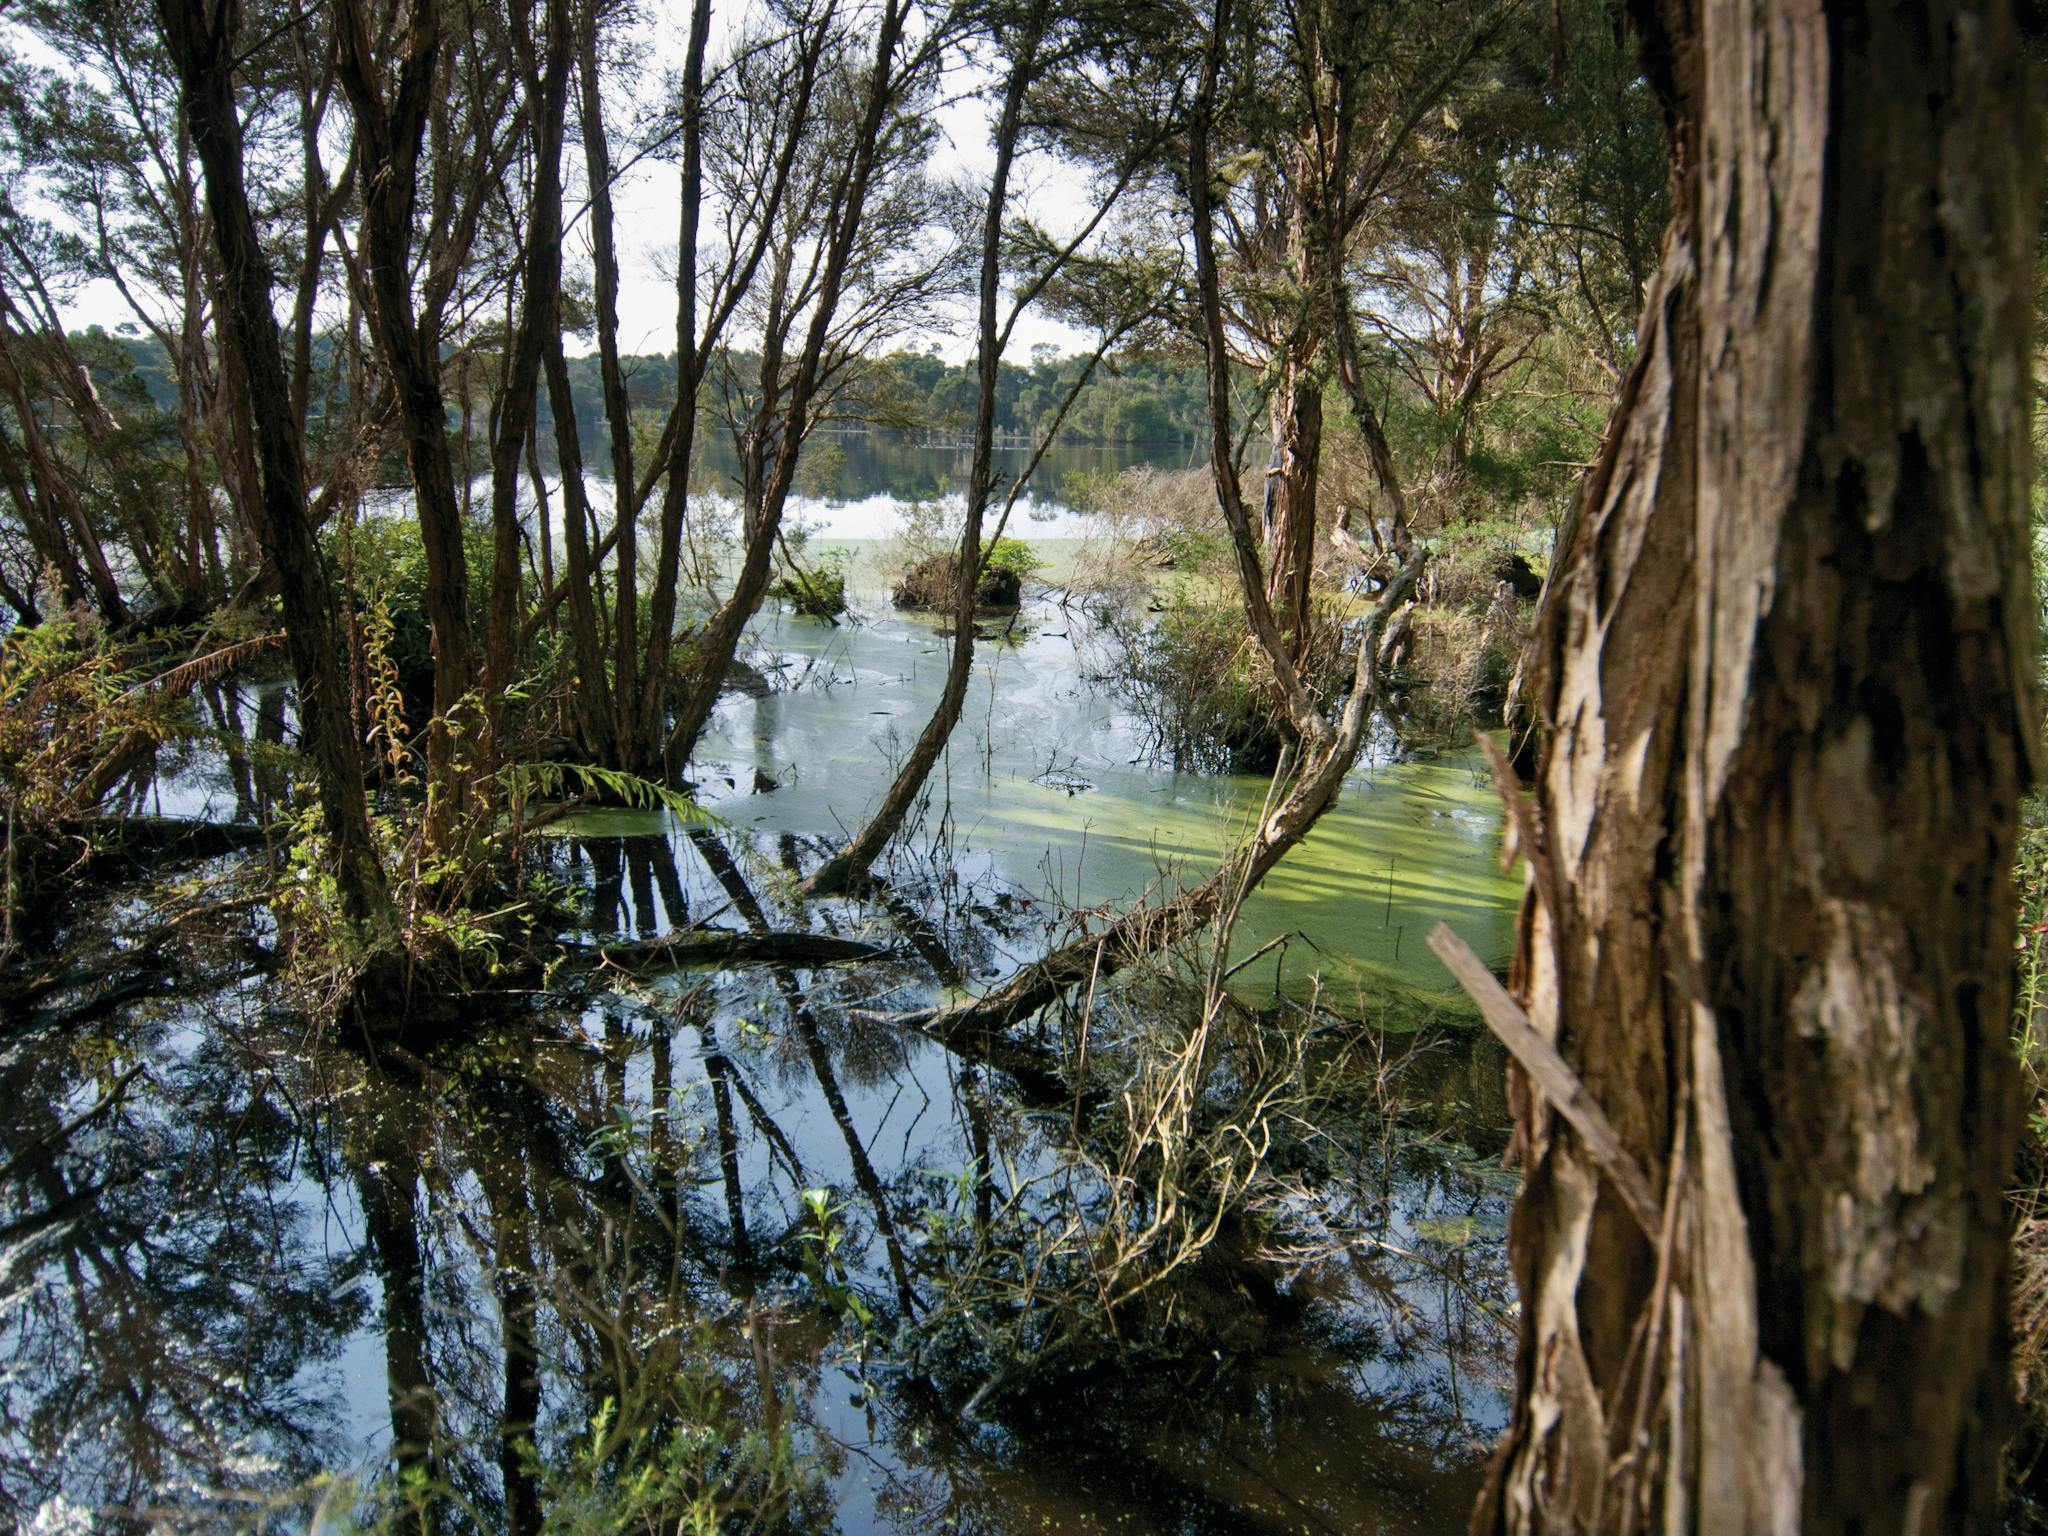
(645, 200)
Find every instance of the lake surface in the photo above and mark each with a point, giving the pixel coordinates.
(841, 470)
(732, 1235)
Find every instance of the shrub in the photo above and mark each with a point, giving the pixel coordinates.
(931, 581)
(382, 558)
(1200, 685)
(816, 593)
(1008, 554)
(1456, 667)
(1147, 520)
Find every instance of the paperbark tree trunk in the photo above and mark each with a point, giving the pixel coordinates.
(1291, 523)
(1787, 669)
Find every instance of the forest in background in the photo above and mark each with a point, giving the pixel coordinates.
(1456, 300)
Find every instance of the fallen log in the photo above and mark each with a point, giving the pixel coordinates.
(168, 835)
(1152, 926)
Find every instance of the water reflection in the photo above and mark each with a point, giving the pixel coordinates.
(717, 1241)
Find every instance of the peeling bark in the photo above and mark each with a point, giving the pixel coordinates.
(1786, 665)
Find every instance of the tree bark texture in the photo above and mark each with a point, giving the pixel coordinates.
(1786, 668)
(1291, 498)
(202, 43)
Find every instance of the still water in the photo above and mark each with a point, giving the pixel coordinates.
(729, 1241)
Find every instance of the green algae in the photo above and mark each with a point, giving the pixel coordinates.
(1047, 787)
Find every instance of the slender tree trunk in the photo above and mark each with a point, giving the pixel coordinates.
(647, 720)
(1788, 673)
(512, 424)
(543, 515)
(45, 533)
(851, 864)
(389, 137)
(1291, 526)
(202, 43)
(721, 634)
(594, 693)
(57, 497)
(618, 411)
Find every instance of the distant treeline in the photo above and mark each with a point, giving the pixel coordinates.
(1135, 399)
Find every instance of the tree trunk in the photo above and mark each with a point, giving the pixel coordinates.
(593, 692)
(1787, 670)
(388, 140)
(202, 46)
(720, 636)
(57, 496)
(618, 411)
(850, 866)
(1291, 497)
(546, 81)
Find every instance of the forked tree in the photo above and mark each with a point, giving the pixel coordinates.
(1787, 669)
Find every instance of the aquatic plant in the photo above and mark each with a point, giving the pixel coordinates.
(817, 590)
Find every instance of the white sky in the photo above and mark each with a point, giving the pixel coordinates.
(646, 204)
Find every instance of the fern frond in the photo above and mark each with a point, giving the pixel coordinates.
(187, 675)
(629, 789)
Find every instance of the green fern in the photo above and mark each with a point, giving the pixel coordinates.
(552, 780)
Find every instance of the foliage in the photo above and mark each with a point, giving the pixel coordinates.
(695, 1467)
(56, 698)
(1013, 556)
(1146, 520)
(1137, 398)
(929, 577)
(383, 565)
(524, 782)
(683, 1461)
(1200, 687)
(78, 714)
(816, 591)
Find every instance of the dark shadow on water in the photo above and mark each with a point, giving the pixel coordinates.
(717, 1224)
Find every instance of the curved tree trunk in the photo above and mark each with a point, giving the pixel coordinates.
(1787, 670)
(851, 864)
(720, 637)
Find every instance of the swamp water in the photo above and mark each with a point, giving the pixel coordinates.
(725, 1242)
